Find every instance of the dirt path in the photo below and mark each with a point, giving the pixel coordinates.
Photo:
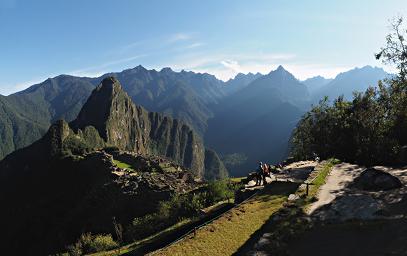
(336, 181)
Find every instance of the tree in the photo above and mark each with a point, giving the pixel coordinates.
(395, 51)
(370, 129)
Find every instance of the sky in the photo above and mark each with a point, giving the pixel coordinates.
(45, 38)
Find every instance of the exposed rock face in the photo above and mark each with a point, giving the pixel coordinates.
(123, 124)
(373, 179)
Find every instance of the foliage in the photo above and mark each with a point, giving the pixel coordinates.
(231, 231)
(88, 243)
(122, 165)
(219, 190)
(234, 159)
(179, 207)
(395, 51)
(370, 129)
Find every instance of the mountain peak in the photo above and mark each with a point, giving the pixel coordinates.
(106, 99)
(166, 70)
(110, 82)
(280, 68)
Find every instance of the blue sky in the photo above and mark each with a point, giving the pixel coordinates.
(41, 39)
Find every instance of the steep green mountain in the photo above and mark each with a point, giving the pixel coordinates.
(357, 79)
(121, 123)
(26, 115)
(69, 182)
(256, 121)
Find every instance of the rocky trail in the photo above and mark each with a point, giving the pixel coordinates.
(339, 177)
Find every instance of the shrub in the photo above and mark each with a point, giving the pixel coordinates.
(102, 243)
(219, 190)
(88, 243)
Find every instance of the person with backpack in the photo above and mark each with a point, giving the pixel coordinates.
(259, 177)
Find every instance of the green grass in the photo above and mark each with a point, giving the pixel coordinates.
(321, 177)
(237, 179)
(227, 234)
(137, 244)
(123, 165)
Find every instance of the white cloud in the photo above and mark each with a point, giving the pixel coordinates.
(98, 70)
(232, 64)
(179, 37)
(194, 45)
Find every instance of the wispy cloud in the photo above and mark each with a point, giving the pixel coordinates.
(130, 46)
(194, 45)
(232, 64)
(179, 37)
(101, 69)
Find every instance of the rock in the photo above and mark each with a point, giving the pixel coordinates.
(293, 197)
(349, 207)
(373, 179)
(263, 241)
(403, 155)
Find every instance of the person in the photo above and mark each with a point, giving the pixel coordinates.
(259, 174)
(266, 172)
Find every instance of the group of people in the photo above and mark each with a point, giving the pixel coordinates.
(263, 172)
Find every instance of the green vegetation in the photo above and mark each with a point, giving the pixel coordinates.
(321, 173)
(370, 129)
(227, 234)
(235, 159)
(214, 167)
(88, 243)
(123, 165)
(178, 208)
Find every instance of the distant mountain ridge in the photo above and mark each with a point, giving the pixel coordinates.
(345, 83)
(257, 120)
(199, 100)
(316, 82)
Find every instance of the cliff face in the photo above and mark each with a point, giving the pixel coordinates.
(130, 127)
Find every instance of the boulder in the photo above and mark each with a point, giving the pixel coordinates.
(403, 155)
(373, 179)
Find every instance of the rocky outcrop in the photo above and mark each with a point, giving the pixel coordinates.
(130, 127)
(373, 179)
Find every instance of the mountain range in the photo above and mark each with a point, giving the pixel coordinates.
(73, 173)
(250, 116)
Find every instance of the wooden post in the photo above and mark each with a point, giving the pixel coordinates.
(307, 190)
(194, 231)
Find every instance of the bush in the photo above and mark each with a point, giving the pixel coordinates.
(219, 190)
(88, 243)
(102, 243)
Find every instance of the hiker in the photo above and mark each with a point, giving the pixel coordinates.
(259, 174)
(266, 172)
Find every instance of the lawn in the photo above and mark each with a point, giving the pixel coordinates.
(227, 234)
(123, 165)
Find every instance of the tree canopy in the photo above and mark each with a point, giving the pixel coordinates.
(369, 129)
